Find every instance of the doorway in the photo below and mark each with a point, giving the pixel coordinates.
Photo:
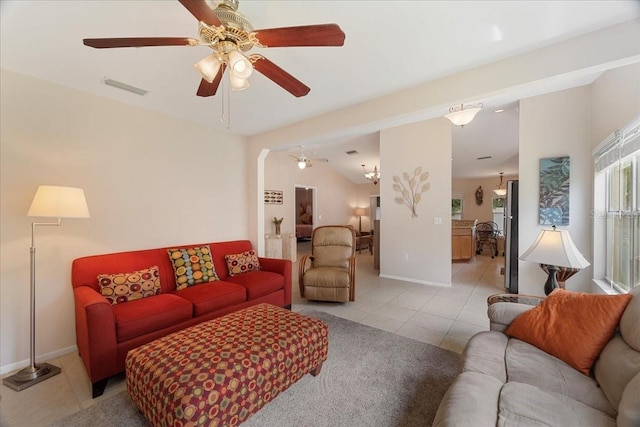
(305, 211)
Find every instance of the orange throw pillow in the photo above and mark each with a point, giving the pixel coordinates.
(572, 326)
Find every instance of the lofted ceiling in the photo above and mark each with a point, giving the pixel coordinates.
(389, 46)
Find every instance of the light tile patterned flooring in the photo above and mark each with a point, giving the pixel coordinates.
(446, 317)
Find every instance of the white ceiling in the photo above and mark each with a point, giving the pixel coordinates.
(389, 46)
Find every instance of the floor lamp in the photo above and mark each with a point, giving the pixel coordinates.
(49, 202)
(554, 250)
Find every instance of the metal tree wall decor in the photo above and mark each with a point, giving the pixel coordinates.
(412, 190)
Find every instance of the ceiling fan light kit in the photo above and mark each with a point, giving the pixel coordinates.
(230, 35)
(462, 115)
(374, 176)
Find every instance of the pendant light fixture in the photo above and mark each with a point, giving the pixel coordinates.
(500, 190)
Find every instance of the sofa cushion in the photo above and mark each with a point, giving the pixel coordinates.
(212, 296)
(484, 353)
(525, 405)
(615, 367)
(529, 365)
(140, 317)
(629, 410)
(124, 287)
(258, 283)
(631, 319)
(242, 263)
(573, 326)
(470, 402)
(192, 266)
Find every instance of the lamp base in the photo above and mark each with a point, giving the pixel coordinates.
(29, 376)
(552, 282)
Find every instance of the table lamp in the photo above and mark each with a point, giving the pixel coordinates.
(553, 249)
(48, 202)
(360, 212)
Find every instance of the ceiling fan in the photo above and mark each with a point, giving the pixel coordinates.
(304, 161)
(230, 34)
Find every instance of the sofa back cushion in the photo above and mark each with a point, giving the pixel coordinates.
(619, 361)
(85, 270)
(572, 326)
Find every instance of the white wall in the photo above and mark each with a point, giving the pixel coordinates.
(615, 101)
(150, 180)
(336, 196)
(554, 125)
(416, 249)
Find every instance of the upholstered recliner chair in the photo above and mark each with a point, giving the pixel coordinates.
(328, 274)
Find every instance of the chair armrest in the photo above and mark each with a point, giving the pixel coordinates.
(501, 314)
(303, 265)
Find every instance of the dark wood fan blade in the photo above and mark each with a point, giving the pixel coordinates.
(209, 89)
(279, 76)
(139, 42)
(201, 11)
(307, 35)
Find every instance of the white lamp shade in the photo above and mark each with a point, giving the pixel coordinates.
(208, 67)
(463, 116)
(238, 84)
(59, 202)
(555, 247)
(361, 212)
(241, 67)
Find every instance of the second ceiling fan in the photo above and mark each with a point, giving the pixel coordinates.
(230, 35)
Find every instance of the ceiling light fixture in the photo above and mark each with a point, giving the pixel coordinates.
(500, 190)
(374, 176)
(302, 164)
(240, 67)
(463, 115)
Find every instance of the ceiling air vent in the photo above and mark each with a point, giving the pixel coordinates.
(351, 152)
(484, 158)
(124, 86)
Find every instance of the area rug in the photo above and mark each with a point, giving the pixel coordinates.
(371, 378)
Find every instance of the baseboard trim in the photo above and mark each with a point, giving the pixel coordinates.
(39, 359)
(421, 282)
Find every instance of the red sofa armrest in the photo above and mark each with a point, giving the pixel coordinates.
(95, 333)
(280, 266)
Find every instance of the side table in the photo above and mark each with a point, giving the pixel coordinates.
(281, 246)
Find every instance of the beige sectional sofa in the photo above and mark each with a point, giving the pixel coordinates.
(504, 381)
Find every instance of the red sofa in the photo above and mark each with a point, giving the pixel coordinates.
(106, 332)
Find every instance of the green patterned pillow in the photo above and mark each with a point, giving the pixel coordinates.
(242, 263)
(192, 266)
(123, 287)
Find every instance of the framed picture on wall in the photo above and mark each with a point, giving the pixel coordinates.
(554, 191)
(273, 197)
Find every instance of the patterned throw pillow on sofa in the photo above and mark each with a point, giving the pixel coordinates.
(123, 287)
(192, 266)
(242, 263)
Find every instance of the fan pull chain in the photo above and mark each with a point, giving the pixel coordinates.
(226, 105)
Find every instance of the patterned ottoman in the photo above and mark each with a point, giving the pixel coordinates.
(222, 371)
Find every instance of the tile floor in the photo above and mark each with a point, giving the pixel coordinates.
(446, 317)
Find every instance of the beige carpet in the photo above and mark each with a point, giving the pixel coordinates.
(371, 378)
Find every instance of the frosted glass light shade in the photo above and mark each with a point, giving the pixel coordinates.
(238, 84)
(59, 202)
(241, 67)
(555, 247)
(208, 67)
(462, 116)
(302, 164)
(500, 191)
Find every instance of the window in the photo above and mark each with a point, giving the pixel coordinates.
(617, 210)
(457, 205)
(497, 209)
